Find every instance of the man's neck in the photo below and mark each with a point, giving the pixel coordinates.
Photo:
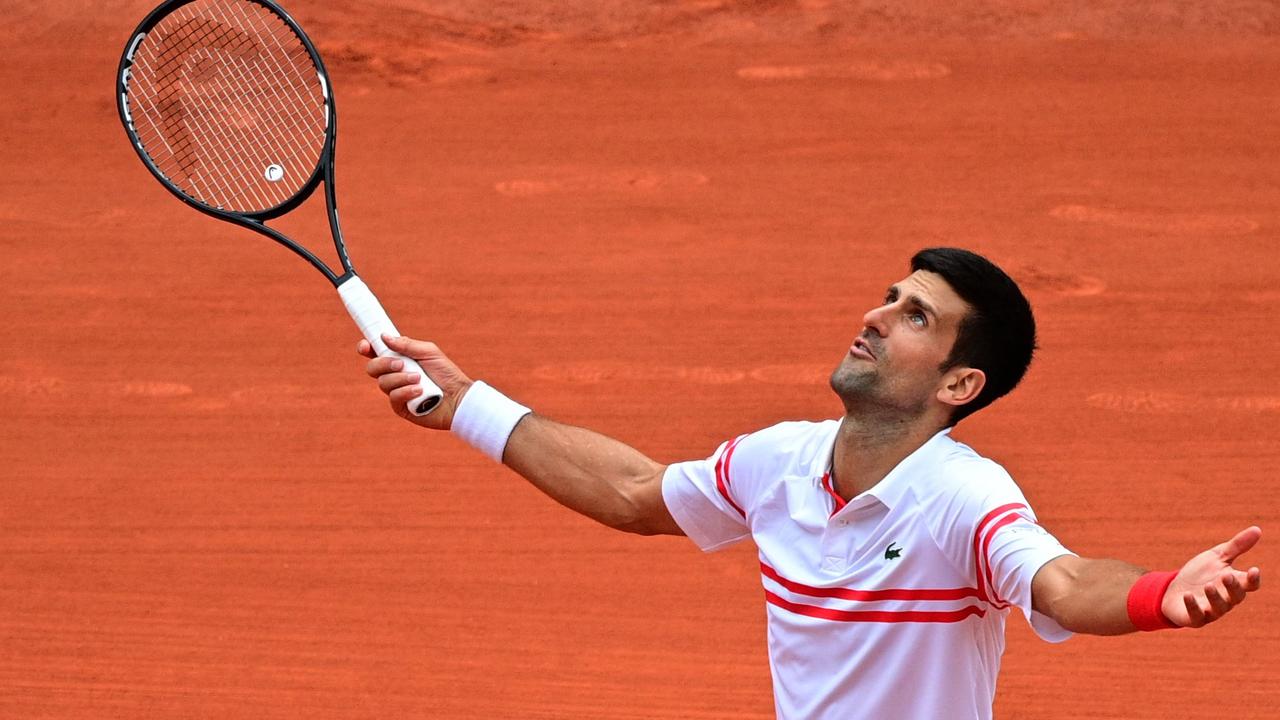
(869, 448)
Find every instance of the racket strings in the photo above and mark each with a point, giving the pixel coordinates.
(228, 104)
(223, 71)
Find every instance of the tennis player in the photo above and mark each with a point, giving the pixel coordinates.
(888, 550)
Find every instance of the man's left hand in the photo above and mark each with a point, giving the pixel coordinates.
(1208, 587)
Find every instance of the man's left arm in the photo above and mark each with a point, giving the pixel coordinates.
(1111, 597)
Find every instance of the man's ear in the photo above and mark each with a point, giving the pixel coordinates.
(960, 385)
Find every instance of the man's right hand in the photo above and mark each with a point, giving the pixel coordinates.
(401, 387)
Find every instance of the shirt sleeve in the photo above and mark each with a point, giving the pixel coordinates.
(699, 495)
(990, 531)
(1014, 552)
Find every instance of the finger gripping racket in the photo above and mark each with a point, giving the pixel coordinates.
(228, 104)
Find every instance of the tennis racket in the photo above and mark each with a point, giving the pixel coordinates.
(228, 104)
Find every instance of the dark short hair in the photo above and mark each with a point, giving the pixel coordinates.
(998, 336)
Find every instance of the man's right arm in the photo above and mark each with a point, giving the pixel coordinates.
(589, 473)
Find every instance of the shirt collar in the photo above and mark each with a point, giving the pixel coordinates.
(894, 486)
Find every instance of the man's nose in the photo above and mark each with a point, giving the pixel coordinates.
(874, 320)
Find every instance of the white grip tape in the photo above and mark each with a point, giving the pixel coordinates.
(373, 323)
(486, 418)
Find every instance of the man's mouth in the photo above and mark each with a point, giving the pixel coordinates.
(861, 349)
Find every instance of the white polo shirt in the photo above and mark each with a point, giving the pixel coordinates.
(892, 606)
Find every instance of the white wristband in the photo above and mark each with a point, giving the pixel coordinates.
(486, 418)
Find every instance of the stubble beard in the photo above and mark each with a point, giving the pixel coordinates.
(864, 393)
(853, 383)
(856, 386)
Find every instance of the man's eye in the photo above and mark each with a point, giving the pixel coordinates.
(918, 319)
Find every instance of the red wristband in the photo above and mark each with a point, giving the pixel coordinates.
(1145, 599)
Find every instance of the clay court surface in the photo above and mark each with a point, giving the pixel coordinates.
(662, 220)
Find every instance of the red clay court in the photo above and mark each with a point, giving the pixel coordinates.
(661, 220)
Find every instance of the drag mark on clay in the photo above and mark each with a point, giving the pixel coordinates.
(293, 397)
(37, 387)
(1263, 296)
(1161, 403)
(592, 373)
(399, 66)
(31, 387)
(642, 180)
(1033, 280)
(1176, 223)
(150, 389)
(792, 374)
(1260, 403)
(870, 70)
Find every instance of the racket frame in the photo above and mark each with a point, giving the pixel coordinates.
(323, 171)
(364, 308)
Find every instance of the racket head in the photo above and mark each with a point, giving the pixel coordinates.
(229, 105)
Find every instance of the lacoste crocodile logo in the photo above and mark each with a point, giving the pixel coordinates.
(892, 553)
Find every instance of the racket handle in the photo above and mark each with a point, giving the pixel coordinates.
(373, 323)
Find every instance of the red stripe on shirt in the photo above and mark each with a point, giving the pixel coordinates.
(986, 546)
(722, 475)
(870, 595)
(882, 616)
(979, 554)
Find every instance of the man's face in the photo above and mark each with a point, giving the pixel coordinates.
(894, 362)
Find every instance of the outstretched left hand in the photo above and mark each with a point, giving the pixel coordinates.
(1208, 587)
